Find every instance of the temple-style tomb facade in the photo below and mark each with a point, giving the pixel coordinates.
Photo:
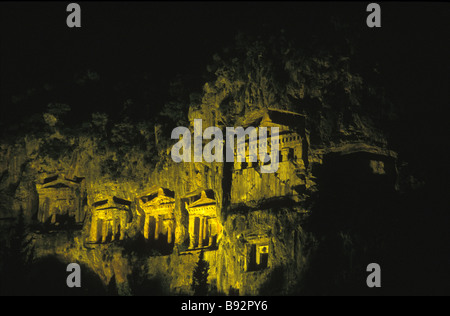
(158, 211)
(110, 218)
(60, 197)
(204, 226)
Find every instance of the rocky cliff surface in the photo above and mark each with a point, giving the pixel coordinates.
(251, 225)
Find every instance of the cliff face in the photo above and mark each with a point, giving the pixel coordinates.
(248, 223)
(107, 194)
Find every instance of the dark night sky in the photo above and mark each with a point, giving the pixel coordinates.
(122, 39)
(165, 38)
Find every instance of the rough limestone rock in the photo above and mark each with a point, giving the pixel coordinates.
(249, 224)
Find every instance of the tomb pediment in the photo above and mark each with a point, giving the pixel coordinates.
(111, 203)
(99, 203)
(59, 185)
(59, 182)
(61, 177)
(159, 200)
(60, 196)
(120, 201)
(160, 197)
(50, 179)
(203, 206)
(154, 203)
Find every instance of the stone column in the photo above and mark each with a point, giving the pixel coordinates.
(157, 226)
(258, 255)
(146, 225)
(94, 229)
(169, 232)
(200, 237)
(113, 229)
(206, 230)
(104, 230)
(211, 232)
(191, 231)
(123, 223)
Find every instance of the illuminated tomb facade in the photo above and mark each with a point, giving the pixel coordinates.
(257, 253)
(248, 223)
(110, 218)
(61, 198)
(158, 211)
(248, 183)
(204, 226)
